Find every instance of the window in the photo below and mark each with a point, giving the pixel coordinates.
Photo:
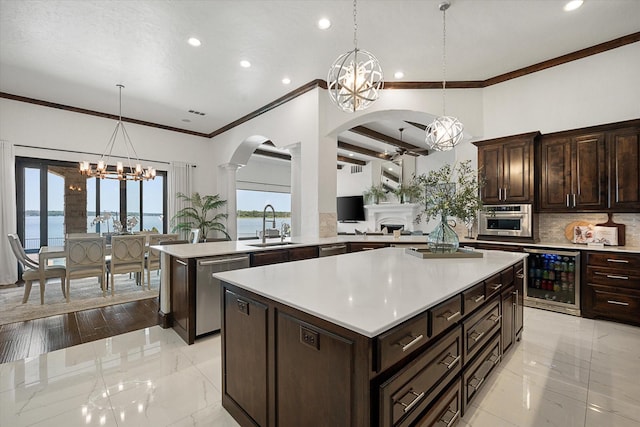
(251, 204)
(54, 199)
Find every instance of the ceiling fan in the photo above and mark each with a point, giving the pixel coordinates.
(397, 156)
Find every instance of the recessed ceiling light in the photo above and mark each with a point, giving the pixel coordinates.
(324, 24)
(572, 5)
(286, 81)
(245, 64)
(350, 154)
(390, 169)
(194, 41)
(398, 74)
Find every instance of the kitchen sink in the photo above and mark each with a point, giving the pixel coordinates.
(269, 244)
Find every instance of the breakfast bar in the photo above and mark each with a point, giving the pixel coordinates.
(367, 338)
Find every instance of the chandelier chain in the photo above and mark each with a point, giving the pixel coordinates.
(355, 24)
(444, 59)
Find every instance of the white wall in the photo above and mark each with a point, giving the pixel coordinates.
(50, 128)
(265, 174)
(599, 89)
(354, 184)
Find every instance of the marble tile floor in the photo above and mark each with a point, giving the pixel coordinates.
(566, 371)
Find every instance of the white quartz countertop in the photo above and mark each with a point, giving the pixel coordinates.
(368, 292)
(200, 250)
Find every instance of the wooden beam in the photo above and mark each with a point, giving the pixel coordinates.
(370, 133)
(272, 154)
(361, 150)
(352, 161)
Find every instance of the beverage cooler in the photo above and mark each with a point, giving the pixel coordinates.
(554, 281)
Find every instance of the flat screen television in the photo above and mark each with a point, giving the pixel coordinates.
(350, 208)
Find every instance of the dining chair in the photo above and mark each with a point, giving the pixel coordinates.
(127, 256)
(153, 255)
(31, 270)
(86, 258)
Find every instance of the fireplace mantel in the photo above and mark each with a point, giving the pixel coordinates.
(392, 213)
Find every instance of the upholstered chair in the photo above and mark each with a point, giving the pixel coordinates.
(86, 258)
(127, 256)
(152, 262)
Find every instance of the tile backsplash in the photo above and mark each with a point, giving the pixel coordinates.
(551, 226)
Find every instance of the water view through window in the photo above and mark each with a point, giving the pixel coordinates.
(250, 206)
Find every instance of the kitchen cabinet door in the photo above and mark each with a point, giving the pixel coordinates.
(183, 298)
(573, 173)
(507, 169)
(623, 148)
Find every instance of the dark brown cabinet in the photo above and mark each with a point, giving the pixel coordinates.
(183, 298)
(506, 165)
(307, 252)
(274, 256)
(623, 148)
(310, 366)
(244, 376)
(572, 172)
(612, 286)
(365, 246)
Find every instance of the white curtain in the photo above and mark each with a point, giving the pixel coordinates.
(181, 182)
(8, 221)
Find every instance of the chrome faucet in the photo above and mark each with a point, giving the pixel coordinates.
(264, 222)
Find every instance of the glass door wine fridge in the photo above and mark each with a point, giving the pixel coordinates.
(554, 280)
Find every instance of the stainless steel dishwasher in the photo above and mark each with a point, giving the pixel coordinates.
(208, 311)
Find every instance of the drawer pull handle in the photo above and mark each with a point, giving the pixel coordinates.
(452, 420)
(477, 386)
(496, 287)
(451, 317)
(451, 364)
(615, 276)
(617, 302)
(408, 406)
(520, 276)
(621, 261)
(494, 359)
(477, 337)
(478, 299)
(494, 318)
(410, 344)
(181, 262)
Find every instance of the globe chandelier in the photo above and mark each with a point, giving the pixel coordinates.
(355, 78)
(445, 132)
(121, 172)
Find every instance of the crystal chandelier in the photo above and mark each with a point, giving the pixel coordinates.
(445, 132)
(355, 78)
(121, 172)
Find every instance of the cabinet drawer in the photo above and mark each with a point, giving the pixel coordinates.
(618, 260)
(507, 277)
(615, 303)
(479, 328)
(269, 257)
(297, 254)
(365, 246)
(492, 285)
(474, 375)
(445, 314)
(400, 341)
(447, 410)
(625, 278)
(473, 298)
(405, 395)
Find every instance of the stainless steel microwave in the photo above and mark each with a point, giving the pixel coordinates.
(506, 220)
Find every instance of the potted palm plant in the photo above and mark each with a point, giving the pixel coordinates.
(198, 215)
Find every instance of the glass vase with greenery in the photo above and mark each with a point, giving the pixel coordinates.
(198, 215)
(451, 191)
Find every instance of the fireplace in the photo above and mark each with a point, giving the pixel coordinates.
(394, 214)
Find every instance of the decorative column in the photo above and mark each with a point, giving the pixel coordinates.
(296, 184)
(227, 190)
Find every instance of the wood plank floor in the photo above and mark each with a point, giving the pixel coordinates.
(34, 337)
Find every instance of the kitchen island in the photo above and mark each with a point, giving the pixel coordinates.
(367, 338)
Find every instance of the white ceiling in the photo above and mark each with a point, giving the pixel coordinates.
(75, 52)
